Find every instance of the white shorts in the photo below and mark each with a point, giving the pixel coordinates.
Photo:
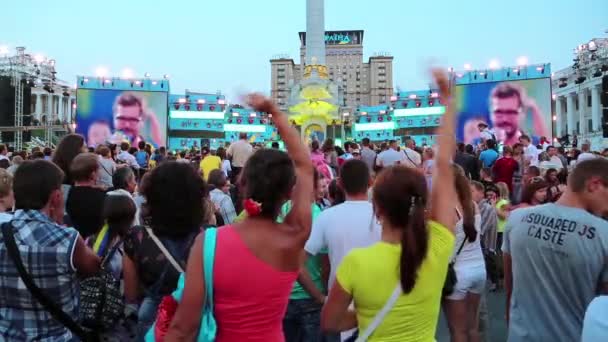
(471, 280)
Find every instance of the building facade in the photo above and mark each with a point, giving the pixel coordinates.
(56, 107)
(578, 92)
(362, 83)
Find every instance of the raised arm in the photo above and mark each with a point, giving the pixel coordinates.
(299, 216)
(443, 195)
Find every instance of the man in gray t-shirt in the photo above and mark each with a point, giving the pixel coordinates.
(556, 259)
(368, 155)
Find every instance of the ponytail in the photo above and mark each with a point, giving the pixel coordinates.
(400, 196)
(414, 244)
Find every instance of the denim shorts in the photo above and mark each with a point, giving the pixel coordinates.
(471, 280)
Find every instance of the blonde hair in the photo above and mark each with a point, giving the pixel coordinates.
(6, 183)
(503, 189)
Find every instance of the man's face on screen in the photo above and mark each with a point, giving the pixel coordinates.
(505, 114)
(127, 119)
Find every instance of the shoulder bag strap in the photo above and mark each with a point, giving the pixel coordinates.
(390, 303)
(104, 168)
(410, 159)
(463, 240)
(461, 245)
(46, 302)
(110, 254)
(162, 248)
(208, 259)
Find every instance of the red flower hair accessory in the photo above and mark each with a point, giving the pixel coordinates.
(252, 207)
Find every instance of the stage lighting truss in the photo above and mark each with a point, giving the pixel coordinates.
(32, 69)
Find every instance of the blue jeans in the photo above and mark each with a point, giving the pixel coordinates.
(302, 322)
(146, 316)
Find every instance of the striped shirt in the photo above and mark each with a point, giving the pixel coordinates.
(46, 250)
(489, 223)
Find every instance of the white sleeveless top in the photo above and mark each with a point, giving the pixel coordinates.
(471, 254)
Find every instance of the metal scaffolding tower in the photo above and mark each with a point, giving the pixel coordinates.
(25, 68)
(18, 110)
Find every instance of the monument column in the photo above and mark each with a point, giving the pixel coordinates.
(315, 32)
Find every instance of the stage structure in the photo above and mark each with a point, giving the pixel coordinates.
(24, 71)
(195, 120)
(314, 102)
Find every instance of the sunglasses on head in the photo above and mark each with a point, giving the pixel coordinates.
(128, 119)
(535, 180)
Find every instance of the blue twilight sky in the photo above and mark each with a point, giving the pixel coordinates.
(226, 45)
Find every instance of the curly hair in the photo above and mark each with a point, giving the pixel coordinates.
(174, 195)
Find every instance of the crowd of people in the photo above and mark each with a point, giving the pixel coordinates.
(319, 243)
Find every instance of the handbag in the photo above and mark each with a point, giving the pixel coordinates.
(390, 303)
(56, 312)
(169, 304)
(450, 277)
(101, 300)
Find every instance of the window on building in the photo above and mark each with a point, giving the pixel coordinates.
(33, 103)
(576, 104)
(589, 125)
(55, 105)
(589, 101)
(64, 106)
(578, 127)
(281, 76)
(45, 103)
(281, 83)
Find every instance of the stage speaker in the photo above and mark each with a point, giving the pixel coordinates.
(7, 102)
(27, 104)
(605, 123)
(7, 136)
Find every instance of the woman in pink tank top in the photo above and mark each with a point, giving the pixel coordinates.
(257, 261)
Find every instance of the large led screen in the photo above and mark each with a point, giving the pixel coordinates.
(510, 108)
(113, 116)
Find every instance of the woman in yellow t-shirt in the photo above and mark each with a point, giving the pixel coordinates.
(502, 211)
(412, 254)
